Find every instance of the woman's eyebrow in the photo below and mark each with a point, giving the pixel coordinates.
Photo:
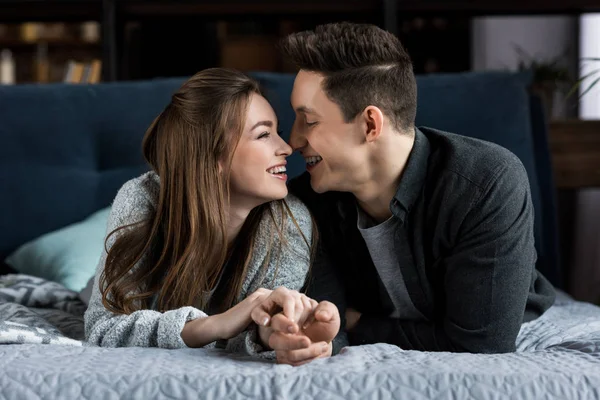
(262, 123)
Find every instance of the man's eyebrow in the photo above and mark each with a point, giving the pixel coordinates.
(262, 123)
(306, 110)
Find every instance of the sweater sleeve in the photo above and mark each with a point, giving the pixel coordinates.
(144, 328)
(288, 266)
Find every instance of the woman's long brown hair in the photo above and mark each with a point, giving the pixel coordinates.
(179, 253)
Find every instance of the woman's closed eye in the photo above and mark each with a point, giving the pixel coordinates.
(267, 134)
(311, 123)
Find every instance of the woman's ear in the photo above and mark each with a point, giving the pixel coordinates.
(373, 118)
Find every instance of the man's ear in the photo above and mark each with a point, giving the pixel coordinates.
(373, 123)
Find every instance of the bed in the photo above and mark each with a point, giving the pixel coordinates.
(42, 357)
(66, 150)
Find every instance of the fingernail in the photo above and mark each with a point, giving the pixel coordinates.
(324, 347)
(265, 321)
(291, 329)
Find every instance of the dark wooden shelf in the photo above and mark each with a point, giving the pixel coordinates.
(245, 7)
(575, 149)
(511, 7)
(50, 10)
(266, 7)
(79, 10)
(114, 14)
(62, 43)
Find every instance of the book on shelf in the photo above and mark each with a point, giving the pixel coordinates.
(80, 72)
(7, 68)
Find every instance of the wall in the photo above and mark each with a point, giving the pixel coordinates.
(546, 37)
(493, 43)
(585, 282)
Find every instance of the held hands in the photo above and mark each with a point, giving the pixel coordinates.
(298, 328)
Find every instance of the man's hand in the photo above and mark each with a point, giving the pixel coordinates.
(299, 357)
(352, 317)
(312, 341)
(323, 324)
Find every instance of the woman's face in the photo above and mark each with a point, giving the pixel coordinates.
(258, 172)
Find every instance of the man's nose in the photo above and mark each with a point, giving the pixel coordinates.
(297, 140)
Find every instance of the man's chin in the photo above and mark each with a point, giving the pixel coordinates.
(318, 186)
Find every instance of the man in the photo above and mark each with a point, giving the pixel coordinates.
(431, 233)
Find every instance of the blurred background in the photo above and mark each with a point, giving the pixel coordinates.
(93, 41)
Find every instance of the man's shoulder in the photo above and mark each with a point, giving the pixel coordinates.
(474, 162)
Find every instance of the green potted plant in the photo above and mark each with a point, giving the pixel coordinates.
(590, 75)
(549, 76)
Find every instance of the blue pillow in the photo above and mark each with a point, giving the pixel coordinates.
(68, 256)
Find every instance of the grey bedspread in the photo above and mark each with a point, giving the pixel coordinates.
(558, 357)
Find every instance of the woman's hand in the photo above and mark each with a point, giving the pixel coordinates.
(235, 320)
(295, 306)
(290, 308)
(202, 331)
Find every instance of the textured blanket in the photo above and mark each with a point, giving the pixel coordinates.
(558, 357)
(34, 310)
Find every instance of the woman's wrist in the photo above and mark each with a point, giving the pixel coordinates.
(201, 331)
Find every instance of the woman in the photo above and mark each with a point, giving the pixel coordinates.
(195, 244)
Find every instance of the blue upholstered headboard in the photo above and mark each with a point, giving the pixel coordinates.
(66, 149)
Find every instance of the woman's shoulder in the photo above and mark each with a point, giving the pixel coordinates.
(293, 215)
(146, 186)
(297, 206)
(136, 198)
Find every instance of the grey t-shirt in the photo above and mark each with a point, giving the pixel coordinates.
(380, 242)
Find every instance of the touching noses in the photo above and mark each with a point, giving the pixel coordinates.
(297, 139)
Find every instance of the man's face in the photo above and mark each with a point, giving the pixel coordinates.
(334, 150)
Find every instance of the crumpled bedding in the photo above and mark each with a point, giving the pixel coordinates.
(558, 357)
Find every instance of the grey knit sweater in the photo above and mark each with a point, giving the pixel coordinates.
(287, 267)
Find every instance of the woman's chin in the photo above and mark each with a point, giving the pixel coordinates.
(282, 194)
(277, 193)
(268, 196)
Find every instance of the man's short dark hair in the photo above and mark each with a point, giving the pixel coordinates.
(362, 65)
